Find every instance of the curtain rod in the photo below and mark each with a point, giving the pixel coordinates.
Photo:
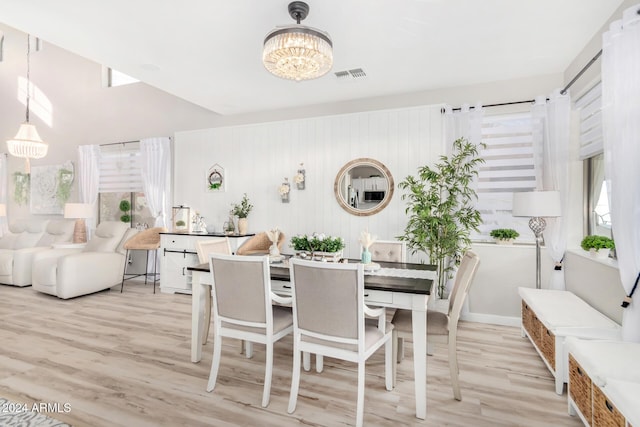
(562, 92)
(118, 143)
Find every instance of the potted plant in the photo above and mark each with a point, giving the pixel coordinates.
(440, 208)
(125, 207)
(241, 210)
(318, 246)
(504, 236)
(593, 243)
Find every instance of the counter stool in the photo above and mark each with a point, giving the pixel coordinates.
(146, 240)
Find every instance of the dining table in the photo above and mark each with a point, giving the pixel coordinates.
(390, 284)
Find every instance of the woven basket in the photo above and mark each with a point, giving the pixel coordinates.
(605, 414)
(527, 317)
(548, 346)
(580, 388)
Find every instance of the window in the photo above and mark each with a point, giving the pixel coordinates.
(508, 168)
(598, 218)
(116, 78)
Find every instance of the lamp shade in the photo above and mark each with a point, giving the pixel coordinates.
(78, 210)
(3, 209)
(537, 204)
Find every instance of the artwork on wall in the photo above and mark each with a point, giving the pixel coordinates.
(50, 188)
(21, 188)
(216, 179)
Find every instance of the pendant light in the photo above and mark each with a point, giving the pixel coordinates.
(27, 143)
(297, 52)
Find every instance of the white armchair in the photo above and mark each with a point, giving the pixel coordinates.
(25, 238)
(68, 273)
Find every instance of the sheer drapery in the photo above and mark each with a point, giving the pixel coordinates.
(551, 151)
(4, 176)
(156, 176)
(621, 110)
(88, 179)
(466, 123)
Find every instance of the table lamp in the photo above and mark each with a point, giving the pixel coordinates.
(79, 211)
(537, 205)
(3, 209)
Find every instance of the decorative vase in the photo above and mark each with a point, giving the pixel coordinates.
(599, 253)
(229, 226)
(243, 225)
(285, 188)
(366, 256)
(504, 241)
(300, 178)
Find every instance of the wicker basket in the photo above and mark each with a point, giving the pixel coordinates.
(527, 317)
(605, 414)
(580, 388)
(548, 346)
(536, 330)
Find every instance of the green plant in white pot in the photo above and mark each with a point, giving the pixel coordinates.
(597, 245)
(440, 209)
(504, 236)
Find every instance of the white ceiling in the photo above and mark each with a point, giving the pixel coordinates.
(209, 52)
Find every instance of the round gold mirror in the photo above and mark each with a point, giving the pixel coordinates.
(363, 187)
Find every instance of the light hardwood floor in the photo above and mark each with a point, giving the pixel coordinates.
(124, 360)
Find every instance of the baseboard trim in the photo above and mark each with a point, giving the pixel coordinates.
(492, 319)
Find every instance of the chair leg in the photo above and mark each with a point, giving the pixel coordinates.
(394, 355)
(389, 364)
(295, 380)
(146, 273)
(249, 349)
(207, 319)
(155, 266)
(267, 375)
(124, 271)
(215, 363)
(453, 367)
(400, 349)
(360, 402)
(306, 361)
(319, 363)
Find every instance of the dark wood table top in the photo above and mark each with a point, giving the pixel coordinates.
(280, 271)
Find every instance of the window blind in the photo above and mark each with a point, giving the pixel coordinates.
(509, 167)
(589, 107)
(120, 168)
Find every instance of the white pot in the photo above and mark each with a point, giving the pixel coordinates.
(504, 241)
(601, 254)
(243, 225)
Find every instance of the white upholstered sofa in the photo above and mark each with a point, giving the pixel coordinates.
(71, 272)
(25, 238)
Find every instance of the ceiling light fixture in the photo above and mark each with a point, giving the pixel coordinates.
(27, 143)
(296, 52)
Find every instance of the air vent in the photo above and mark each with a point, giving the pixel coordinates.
(356, 73)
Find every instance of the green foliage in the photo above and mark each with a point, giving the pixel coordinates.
(317, 243)
(597, 242)
(242, 209)
(125, 218)
(440, 208)
(180, 223)
(504, 233)
(22, 184)
(125, 207)
(65, 180)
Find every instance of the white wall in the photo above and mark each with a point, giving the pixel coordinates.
(258, 157)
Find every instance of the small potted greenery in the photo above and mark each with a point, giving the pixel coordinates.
(504, 236)
(318, 246)
(242, 210)
(593, 243)
(125, 207)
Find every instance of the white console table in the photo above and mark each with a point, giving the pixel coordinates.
(178, 251)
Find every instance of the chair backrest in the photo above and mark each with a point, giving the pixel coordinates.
(57, 231)
(148, 239)
(464, 277)
(107, 237)
(328, 300)
(259, 244)
(388, 250)
(241, 288)
(216, 245)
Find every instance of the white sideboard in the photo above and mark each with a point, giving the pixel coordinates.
(178, 251)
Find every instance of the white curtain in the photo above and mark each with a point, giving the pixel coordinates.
(466, 123)
(88, 179)
(156, 177)
(4, 198)
(551, 151)
(621, 123)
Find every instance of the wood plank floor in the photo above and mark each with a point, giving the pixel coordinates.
(124, 360)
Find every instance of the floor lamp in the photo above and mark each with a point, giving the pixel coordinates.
(537, 205)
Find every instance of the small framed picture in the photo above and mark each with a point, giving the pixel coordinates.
(216, 179)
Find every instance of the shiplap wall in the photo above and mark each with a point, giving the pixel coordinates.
(258, 157)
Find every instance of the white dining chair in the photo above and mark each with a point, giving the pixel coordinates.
(441, 327)
(216, 245)
(243, 309)
(388, 250)
(329, 320)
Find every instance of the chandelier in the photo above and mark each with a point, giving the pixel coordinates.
(296, 52)
(27, 143)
